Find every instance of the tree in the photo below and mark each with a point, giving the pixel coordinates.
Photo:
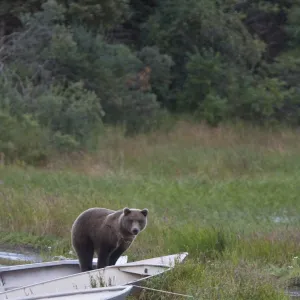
(94, 13)
(179, 28)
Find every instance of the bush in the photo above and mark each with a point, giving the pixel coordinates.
(73, 78)
(95, 13)
(180, 27)
(22, 138)
(213, 109)
(206, 73)
(72, 111)
(141, 112)
(64, 142)
(261, 102)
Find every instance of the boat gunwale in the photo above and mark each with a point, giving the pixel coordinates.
(39, 265)
(45, 264)
(76, 262)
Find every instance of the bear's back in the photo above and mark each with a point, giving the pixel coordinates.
(91, 218)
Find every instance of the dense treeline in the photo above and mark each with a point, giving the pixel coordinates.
(69, 67)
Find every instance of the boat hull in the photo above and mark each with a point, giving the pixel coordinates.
(106, 277)
(12, 277)
(112, 293)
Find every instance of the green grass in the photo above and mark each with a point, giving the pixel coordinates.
(228, 196)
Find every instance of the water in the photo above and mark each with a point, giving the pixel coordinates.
(294, 292)
(20, 254)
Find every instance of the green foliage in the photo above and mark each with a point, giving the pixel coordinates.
(262, 101)
(72, 111)
(19, 6)
(82, 61)
(23, 139)
(283, 74)
(180, 27)
(200, 24)
(69, 79)
(95, 13)
(207, 73)
(72, 115)
(206, 87)
(65, 142)
(214, 92)
(213, 109)
(293, 24)
(140, 112)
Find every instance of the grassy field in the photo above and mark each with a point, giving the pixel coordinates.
(228, 196)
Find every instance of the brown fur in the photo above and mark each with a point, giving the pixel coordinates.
(107, 232)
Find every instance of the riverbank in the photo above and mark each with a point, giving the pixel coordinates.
(228, 196)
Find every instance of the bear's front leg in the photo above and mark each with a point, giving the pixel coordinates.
(102, 260)
(103, 256)
(115, 255)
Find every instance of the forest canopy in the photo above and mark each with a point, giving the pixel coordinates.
(69, 68)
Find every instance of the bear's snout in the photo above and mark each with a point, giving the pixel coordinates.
(135, 231)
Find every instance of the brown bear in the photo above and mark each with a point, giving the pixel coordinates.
(107, 232)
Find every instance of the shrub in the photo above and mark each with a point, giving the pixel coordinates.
(72, 76)
(22, 138)
(72, 111)
(206, 73)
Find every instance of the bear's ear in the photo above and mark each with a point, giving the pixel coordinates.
(144, 212)
(126, 211)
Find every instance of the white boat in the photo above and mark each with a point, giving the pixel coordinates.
(133, 273)
(20, 275)
(108, 293)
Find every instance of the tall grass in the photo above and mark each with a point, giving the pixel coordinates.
(228, 196)
(191, 150)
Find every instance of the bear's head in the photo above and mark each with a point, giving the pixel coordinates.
(134, 220)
